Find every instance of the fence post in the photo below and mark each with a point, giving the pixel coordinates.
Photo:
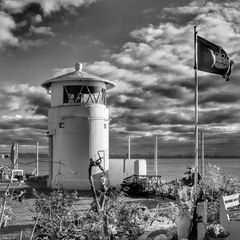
(202, 222)
(202, 155)
(37, 158)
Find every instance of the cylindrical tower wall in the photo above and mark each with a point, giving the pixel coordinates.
(79, 133)
(98, 136)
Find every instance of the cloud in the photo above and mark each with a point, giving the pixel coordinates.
(23, 123)
(217, 21)
(164, 48)
(224, 116)
(7, 24)
(38, 102)
(167, 90)
(23, 113)
(24, 100)
(41, 30)
(18, 18)
(27, 43)
(24, 134)
(225, 97)
(47, 6)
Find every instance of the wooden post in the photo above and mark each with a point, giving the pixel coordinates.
(17, 155)
(21, 234)
(37, 158)
(156, 156)
(202, 155)
(202, 223)
(129, 147)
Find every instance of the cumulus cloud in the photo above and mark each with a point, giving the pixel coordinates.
(10, 131)
(42, 30)
(21, 17)
(7, 24)
(48, 6)
(23, 113)
(23, 99)
(217, 21)
(23, 123)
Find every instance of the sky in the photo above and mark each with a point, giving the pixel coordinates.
(145, 47)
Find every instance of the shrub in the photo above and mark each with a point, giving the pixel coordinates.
(55, 215)
(141, 186)
(215, 185)
(59, 220)
(136, 187)
(216, 231)
(126, 217)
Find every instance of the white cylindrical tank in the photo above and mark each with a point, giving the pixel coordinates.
(78, 127)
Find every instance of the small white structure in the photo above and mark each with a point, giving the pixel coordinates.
(122, 168)
(78, 127)
(230, 215)
(16, 174)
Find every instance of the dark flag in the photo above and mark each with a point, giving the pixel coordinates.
(213, 59)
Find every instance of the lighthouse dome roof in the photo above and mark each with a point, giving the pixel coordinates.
(77, 75)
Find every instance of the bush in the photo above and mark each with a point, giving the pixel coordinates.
(216, 231)
(215, 185)
(142, 186)
(58, 218)
(136, 187)
(55, 215)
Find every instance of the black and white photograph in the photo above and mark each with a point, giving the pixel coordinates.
(119, 119)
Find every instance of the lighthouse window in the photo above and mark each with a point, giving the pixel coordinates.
(76, 94)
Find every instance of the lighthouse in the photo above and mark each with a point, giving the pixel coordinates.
(78, 127)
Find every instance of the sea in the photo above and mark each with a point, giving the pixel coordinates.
(172, 168)
(168, 168)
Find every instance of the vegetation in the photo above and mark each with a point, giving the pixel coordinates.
(216, 231)
(135, 186)
(111, 215)
(5, 212)
(59, 219)
(215, 185)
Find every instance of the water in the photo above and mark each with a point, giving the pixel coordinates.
(172, 168)
(29, 164)
(168, 168)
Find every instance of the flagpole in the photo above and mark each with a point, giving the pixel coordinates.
(156, 155)
(196, 111)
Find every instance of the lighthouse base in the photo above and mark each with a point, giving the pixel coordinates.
(74, 184)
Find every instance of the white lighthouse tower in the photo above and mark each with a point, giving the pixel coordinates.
(78, 127)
